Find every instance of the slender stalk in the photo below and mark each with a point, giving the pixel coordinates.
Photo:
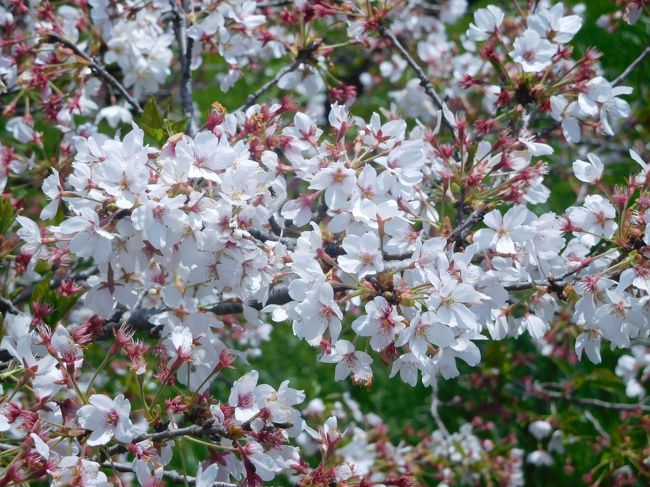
(621, 77)
(99, 369)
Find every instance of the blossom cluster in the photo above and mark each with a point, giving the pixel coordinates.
(418, 237)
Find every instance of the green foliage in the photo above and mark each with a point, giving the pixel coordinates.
(152, 121)
(157, 126)
(7, 215)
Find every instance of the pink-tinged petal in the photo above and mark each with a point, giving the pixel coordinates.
(571, 130)
(102, 402)
(439, 335)
(342, 370)
(344, 347)
(124, 431)
(446, 363)
(156, 234)
(465, 293)
(515, 217)
(50, 210)
(493, 219)
(485, 238)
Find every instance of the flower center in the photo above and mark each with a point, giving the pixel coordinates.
(529, 55)
(112, 417)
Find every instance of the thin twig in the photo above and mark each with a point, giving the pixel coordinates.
(598, 427)
(424, 80)
(555, 283)
(621, 77)
(97, 67)
(539, 390)
(209, 429)
(436, 415)
(302, 56)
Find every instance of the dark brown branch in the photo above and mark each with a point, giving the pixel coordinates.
(138, 320)
(462, 230)
(263, 236)
(185, 45)
(424, 79)
(26, 294)
(280, 3)
(278, 296)
(303, 55)
(97, 68)
(7, 306)
(209, 429)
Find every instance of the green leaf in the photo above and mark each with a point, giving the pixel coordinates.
(156, 134)
(151, 117)
(152, 121)
(7, 216)
(63, 305)
(173, 127)
(42, 293)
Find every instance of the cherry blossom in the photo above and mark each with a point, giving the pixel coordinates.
(400, 201)
(532, 52)
(106, 418)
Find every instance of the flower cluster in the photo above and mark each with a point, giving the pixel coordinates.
(470, 229)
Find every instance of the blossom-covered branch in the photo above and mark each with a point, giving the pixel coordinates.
(97, 67)
(168, 287)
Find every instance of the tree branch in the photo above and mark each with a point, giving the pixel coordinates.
(26, 294)
(621, 77)
(303, 55)
(424, 79)
(461, 231)
(540, 390)
(209, 428)
(97, 67)
(185, 45)
(7, 306)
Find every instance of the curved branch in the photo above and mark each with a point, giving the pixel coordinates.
(424, 79)
(539, 390)
(303, 55)
(97, 67)
(621, 77)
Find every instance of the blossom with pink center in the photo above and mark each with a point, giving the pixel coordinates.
(363, 256)
(348, 361)
(107, 418)
(533, 52)
(381, 323)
